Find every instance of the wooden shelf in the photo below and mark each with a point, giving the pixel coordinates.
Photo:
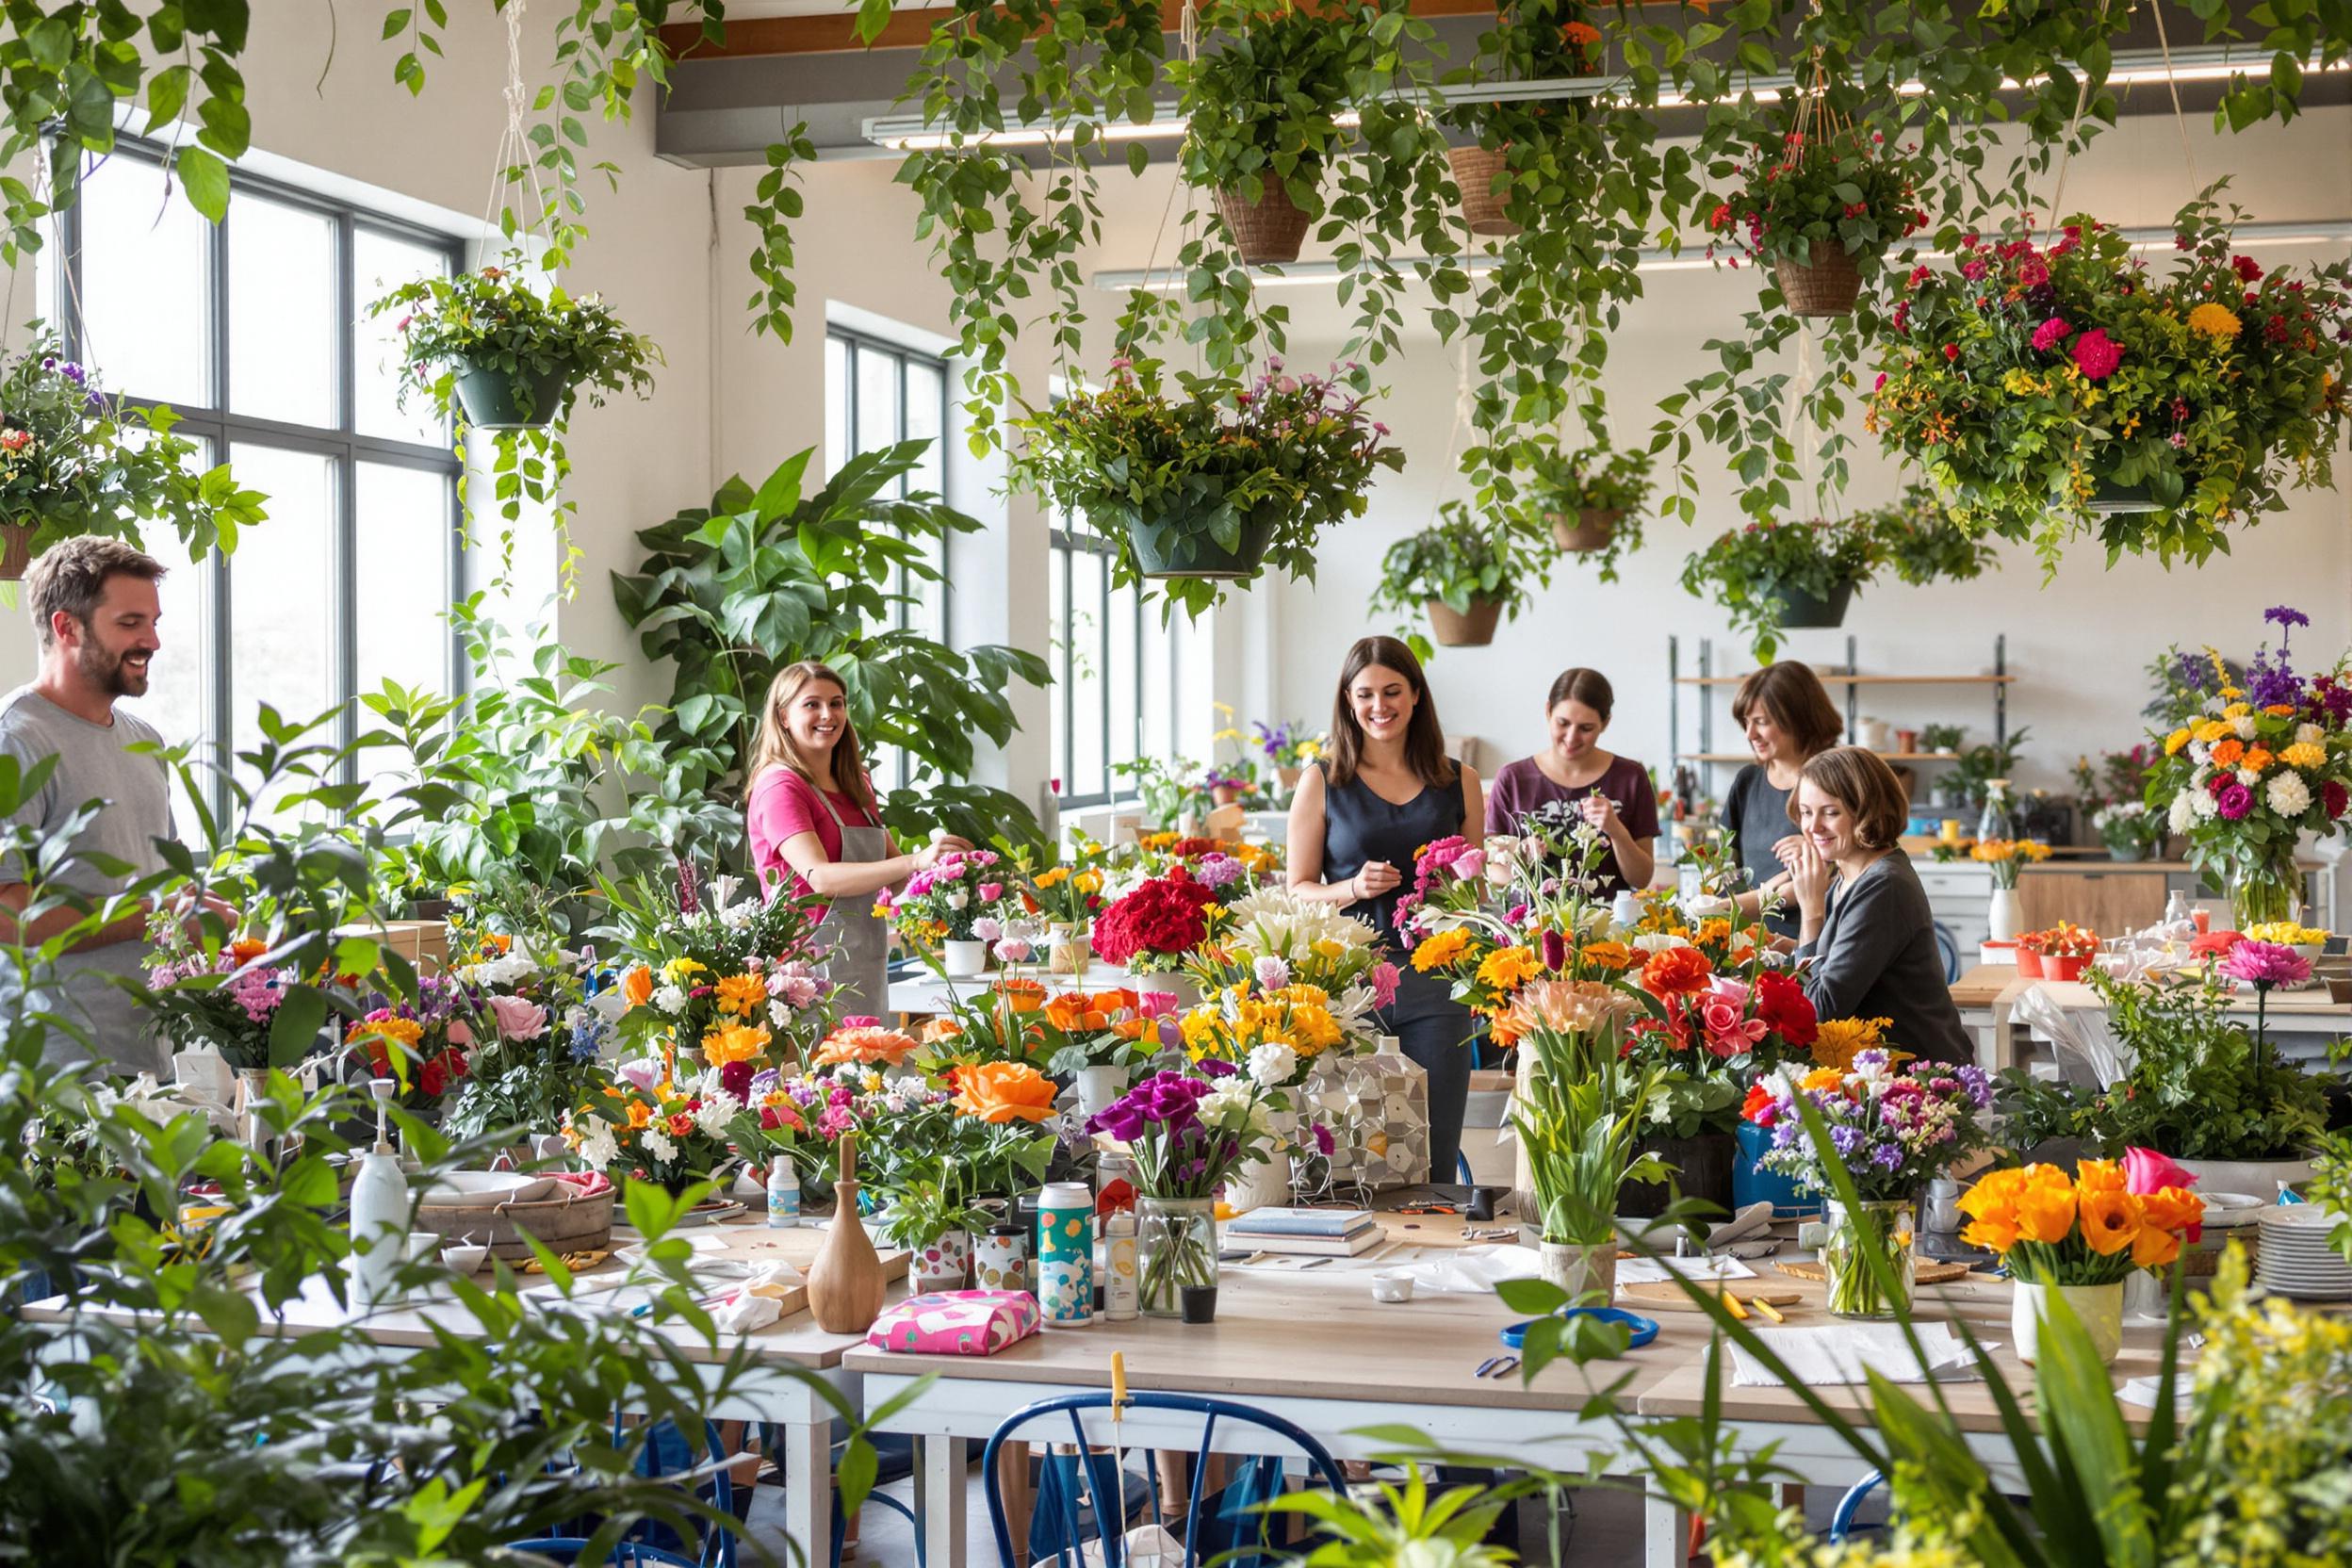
(1749, 757)
(1830, 677)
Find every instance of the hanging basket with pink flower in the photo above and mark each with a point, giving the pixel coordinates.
(2053, 385)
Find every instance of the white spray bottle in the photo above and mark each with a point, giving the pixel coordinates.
(379, 1208)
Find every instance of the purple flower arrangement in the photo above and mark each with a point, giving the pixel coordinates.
(1188, 1135)
(1893, 1131)
(228, 1000)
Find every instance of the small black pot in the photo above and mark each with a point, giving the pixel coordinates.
(1799, 609)
(1703, 1167)
(1198, 1303)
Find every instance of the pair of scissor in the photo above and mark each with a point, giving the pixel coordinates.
(1497, 1366)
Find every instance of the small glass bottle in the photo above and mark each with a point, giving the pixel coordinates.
(783, 1195)
(1994, 823)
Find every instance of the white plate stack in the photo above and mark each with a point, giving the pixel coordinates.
(2295, 1259)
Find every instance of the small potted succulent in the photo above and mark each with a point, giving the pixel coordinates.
(1465, 572)
(75, 462)
(1820, 202)
(1772, 576)
(1585, 498)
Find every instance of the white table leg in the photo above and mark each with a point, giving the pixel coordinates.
(808, 1488)
(1665, 1532)
(942, 1500)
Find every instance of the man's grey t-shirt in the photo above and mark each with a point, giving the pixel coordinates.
(92, 765)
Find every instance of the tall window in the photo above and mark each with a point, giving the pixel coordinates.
(1119, 674)
(255, 331)
(876, 395)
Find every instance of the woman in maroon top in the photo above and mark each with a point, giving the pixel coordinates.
(1612, 793)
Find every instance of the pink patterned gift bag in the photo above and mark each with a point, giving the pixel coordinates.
(957, 1322)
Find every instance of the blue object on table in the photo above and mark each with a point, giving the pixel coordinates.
(1841, 1522)
(1752, 1184)
(1645, 1328)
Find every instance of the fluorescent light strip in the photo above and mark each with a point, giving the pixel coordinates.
(1303, 274)
(2134, 68)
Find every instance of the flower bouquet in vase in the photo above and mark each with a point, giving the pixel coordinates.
(1276, 1036)
(1100, 1038)
(1893, 1131)
(1289, 748)
(226, 999)
(718, 956)
(1155, 928)
(2078, 1239)
(1066, 894)
(651, 1126)
(423, 1043)
(2256, 768)
(542, 1036)
(2006, 858)
(945, 903)
(1188, 1135)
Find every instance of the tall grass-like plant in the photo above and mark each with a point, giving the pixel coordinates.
(1582, 1108)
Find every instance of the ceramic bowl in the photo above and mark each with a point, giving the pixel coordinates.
(466, 1258)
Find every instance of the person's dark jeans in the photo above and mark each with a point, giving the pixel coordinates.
(1433, 1030)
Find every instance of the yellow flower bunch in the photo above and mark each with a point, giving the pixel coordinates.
(1443, 951)
(2214, 320)
(733, 1042)
(1507, 969)
(2303, 754)
(1837, 1040)
(1229, 1025)
(679, 970)
(1994, 850)
(2286, 933)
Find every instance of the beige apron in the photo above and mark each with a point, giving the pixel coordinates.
(860, 942)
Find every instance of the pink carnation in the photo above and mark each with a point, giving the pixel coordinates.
(2096, 354)
(2051, 333)
(2267, 964)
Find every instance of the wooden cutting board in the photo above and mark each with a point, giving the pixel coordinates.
(1922, 1273)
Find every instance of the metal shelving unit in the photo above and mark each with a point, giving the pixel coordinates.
(1706, 679)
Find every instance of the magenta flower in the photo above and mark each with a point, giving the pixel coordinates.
(2234, 801)
(2266, 964)
(2096, 354)
(2051, 333)
(1384, 978)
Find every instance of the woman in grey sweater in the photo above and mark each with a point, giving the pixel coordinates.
(1864, 918)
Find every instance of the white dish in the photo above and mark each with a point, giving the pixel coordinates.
(485, 1189)
(464, 1259)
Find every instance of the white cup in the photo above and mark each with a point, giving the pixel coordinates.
(464, 1259)
(1392, 1285)
(423, 1245)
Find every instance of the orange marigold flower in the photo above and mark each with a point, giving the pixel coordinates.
(2227, 753)
(1677, 971)
(1582, 34)
(742, 994)
(999, 1092)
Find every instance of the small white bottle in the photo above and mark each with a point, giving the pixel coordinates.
(783, 1195)
(1120, 1300)
(379, 1208)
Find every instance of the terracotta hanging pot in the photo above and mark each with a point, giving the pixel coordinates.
(1269, 231)
(1589, 529)
(1473, 628)
(1476, 172)
(16, 549)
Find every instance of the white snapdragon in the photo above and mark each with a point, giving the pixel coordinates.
(658, 1144)
(599, 1148)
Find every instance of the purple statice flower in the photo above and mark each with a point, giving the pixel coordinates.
(689, 887)
(2267, 964)
(1323, 1141)
(2269, 685)
(2189, 670)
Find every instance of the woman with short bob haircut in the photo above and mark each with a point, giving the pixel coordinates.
(1788, 719)
(1864, 920)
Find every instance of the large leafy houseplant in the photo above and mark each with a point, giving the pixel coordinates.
(74, 461)
(2052, 386)
(1208, 485)
(515, 362)
(1772, 574)
(1473, 567)
(733, 592)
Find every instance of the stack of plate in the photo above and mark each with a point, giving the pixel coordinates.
(2295, 1259)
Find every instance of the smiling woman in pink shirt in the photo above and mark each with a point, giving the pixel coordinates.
(816, 829)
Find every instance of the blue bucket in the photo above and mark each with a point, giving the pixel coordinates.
(1752, 1184)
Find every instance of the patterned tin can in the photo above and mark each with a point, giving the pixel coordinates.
(1065, 1253)
(1001, 1259)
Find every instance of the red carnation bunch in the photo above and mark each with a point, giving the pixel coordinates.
(1781, 1002)
(1161, 919)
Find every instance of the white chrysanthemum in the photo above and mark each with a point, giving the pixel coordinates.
(2310, 735)
(1277, 921)
(2183, 811)
(670, 998)
(1232, 1096)
(2202, 805)
(718, 1108)
(2244, 724)
(1660, 942)
(2200, 752)
(658, 1144)
(1272, 1065)
(2248, 777)
(599, 1148)
(2288, 795)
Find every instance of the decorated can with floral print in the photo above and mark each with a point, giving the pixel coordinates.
(1066, 1254)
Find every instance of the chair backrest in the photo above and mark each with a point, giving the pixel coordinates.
(1059, 1531)
(1948, 949)
(628, 1554)
(667, 1451)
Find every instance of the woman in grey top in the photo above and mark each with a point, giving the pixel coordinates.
(1864, 918)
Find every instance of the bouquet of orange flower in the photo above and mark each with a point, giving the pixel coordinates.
(2091, 1229)
(652, 1126)
(1112, 1028)
(722, 961)
(864, 1041)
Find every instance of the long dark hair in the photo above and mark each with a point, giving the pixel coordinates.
(1424, 738)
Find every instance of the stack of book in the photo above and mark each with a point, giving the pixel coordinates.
(1309, 1232)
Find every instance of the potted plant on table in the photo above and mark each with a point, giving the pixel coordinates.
(1210, 484)
(1585, 498)
(650, 1125)
(1188, 1135)
(1820, 201)
(1289, 747)
(1467, 572)
(2049, 385)
(75, 461)
(2262, 765)
(1098, 1039)
(2062, 953)
(1152, 929)
(1772, 576)
(1898, 1130)
(960, 901)
(1067, 892)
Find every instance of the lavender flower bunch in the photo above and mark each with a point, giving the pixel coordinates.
(1894, 1130)
(1188, 1134)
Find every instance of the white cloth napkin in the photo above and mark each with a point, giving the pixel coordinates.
(746, 1313)
(1659, 1271)
(1847, 1352)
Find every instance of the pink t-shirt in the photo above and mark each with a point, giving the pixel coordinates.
(782, 804)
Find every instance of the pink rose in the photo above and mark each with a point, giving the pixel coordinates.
(1155, 1004)
(1727, 1033)
(2051, 333)
(1470, 864)
(459, 1033)
(1733, 991)
(991, 892)
(517, 1018)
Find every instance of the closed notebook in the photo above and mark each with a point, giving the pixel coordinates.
(1311, 1247)
(1301, 1222)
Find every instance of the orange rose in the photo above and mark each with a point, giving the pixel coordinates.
(637, 985)
(682, 1125)
(2111, 1221)
(735, 1043)
(1023, 996)
(1066, 1011)
(2046, 1212)
(1677, 971)
(999, 1092)
(868, 1044)
(937, 1029)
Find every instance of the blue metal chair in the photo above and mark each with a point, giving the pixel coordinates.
(628, 1554)
(1462, 1170)
(1057, 1530)
(894, 1455)
(668, 1452)
(1948, 949)
(1841, 1522)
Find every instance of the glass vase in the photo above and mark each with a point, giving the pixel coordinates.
(1854, 1288)
(2265, 894)
(1176, 1256)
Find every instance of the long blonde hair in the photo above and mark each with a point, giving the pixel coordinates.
(772, 746)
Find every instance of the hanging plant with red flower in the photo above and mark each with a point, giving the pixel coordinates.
(2044, 383)
(1820, 202)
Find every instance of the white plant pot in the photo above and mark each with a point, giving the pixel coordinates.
(1263, 1185)
(1099, 1086)
(2002, 917)
(941, 1264)
(966, 959)
(1581, 1270)
(2098, 1308)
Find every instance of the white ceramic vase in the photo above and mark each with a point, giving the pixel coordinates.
(966, 959)
(1099, 1086)
(2002, 917)
(1263, 1185)
(2098, 1308)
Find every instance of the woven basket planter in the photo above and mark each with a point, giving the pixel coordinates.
(1269, 231)
(1476, 170)
(16, 550)
(1828, 287)
(565, 1223)
(1590, 529)
(1474, 630)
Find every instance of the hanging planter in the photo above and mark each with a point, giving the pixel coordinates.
(501, 397)
(1772, 576)
(1466, 573)
(1261, 120)
(1266, 232)
(1470, 628)
(74, 461)
(1206, 487)
(1477, 172)
(1800, 610)
(1585, 498)
(1826, 284)
(1819, 201)
(1581, 532)
(2084, 391)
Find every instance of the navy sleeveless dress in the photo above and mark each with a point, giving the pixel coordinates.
(1432, 1028)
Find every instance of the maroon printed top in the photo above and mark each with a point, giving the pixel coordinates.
(1522, 787)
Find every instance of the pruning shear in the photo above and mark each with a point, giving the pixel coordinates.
(1431, 1208)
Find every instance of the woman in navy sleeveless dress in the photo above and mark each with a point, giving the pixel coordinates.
(1385, 789)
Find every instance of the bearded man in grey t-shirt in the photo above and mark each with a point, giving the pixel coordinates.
(95, 606)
